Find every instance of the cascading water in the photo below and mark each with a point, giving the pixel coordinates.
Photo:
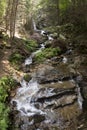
(65, 60)
(50, 38)
(80, 98)
(27, 90)
(47, 99)
(29, 60)
(23, 98)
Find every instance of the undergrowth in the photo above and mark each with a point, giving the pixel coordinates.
(31, 45)
(16, 59)
(6, 84)
(46, 54)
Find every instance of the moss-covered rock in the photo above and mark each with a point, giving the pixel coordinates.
(46, 53)
(27, 77)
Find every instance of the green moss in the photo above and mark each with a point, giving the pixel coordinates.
(6, 84)
(46, 53)
(31, 45)
(27, 77)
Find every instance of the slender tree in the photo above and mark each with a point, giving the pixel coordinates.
(7, 15)
(13, 17)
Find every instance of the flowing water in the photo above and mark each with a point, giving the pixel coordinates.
(29, 60)
(49, 98)
(23, 98)
(27, 90)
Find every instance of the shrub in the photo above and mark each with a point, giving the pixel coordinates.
(4, 114)
(31, 45)
(46, 53)
(6, 84)
(16, 59)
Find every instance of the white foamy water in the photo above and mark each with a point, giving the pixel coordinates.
(42, 46)
(80, 99)
(23, 98)
(50, 38)
(65, 60)
(43, 32)
(28, 61)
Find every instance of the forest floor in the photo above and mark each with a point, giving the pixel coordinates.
(6, 69)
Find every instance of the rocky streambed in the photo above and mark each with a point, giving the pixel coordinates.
(54, 98)
(51, 100)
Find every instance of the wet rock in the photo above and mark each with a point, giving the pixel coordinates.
(47, 74)
(55, 98)
(61, 102)
(38, 37)
(83, 86)
(61, 44)
(37, 105)
(65, 101)
(25, 68)
(82, 125)
(48, 94)
(38, 118)
(60, 84)
(12, 94)
(48, 44)
(27, 77)
(27, 123)
(14, 104)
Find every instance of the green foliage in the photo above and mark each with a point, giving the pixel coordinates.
(31, 45)
(16, 59)
(2, 8)
(6, 84)
(27, 77)
(67, 28)
(64, 4)
(46, 53)
(51, 29)
(4, 113)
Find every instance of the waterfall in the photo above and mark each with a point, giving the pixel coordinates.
(80, 99)
(23, 97)
(29, 60)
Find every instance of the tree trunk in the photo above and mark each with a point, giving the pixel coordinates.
(7, 17)
(13, 18)
(58, 17)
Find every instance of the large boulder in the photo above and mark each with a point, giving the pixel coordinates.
(47, 73)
